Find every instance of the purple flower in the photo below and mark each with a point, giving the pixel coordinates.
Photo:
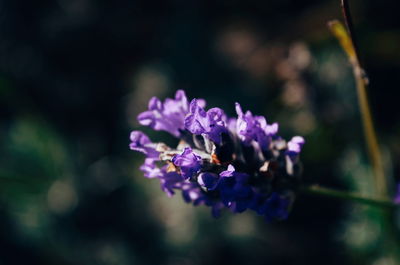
(246, 125)
(150, 169)
(192, 193)
(211, 122)
(254, 128)
(240, 180)
(221, 162)
(141, 143)
(170, 181)
(168, 116)
(188, 162)
(294, 146)
(234, 189)
(208, 180)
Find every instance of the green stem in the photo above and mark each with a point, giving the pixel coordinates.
(345, 195)
(349, 44)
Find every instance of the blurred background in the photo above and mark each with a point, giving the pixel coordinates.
(74, 74)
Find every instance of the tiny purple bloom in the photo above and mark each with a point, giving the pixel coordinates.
(254, 128)
(228, 172)
(294, 146)
(234, 189)
(168, 116)
(188, 161)
(208, 180)
(191, 193)
(246, 125)
(211, 123)
(231, 172)
(150, 169)
(170, 181)
(141, 143)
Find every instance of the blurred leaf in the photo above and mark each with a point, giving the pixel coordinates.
(33, 156)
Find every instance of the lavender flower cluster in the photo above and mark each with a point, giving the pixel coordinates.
(236, 163)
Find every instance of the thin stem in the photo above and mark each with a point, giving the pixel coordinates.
(349, 44)
(350, 28)
(345, 195)
(370, 135)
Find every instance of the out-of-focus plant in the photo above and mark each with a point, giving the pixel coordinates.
(346, 38)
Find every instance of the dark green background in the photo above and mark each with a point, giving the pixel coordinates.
(74, 75)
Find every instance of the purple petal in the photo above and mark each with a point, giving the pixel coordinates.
(155, 104)
(294, 146)
(247, 126)
(168, 116)
(254, 128)
(197, 121)
(188, 161)
(141, 143)
(150, 169)
(191, 192)
(211, 123)
(229, 172)
(171, 181)
(272, 129)
(208, 180)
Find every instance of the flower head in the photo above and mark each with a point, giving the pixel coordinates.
(221, 162)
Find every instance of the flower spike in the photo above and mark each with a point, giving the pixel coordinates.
(221, 162)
